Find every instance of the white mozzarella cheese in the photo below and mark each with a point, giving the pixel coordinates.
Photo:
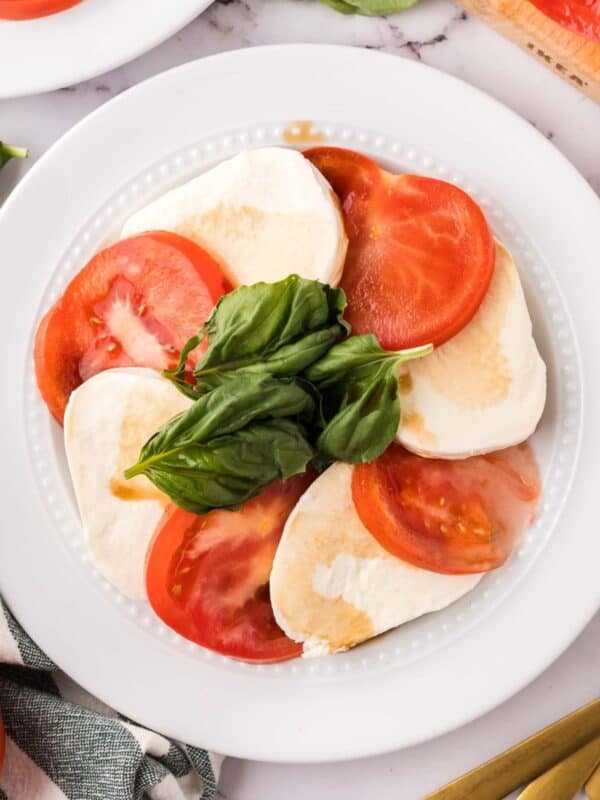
(108, 419)
(485, 388)
(263, 214)
(332, 584)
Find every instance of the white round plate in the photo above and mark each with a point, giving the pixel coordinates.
(428, 676)
(89, 39)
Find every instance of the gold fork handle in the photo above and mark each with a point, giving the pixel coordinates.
(524, 762)
(564, 780)
(592, 787)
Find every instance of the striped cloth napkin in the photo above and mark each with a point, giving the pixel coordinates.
(63, 744)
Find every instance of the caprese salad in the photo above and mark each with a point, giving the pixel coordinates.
(296, 398)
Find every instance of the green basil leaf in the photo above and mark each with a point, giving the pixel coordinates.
(266, 328)
(8, 151)
(277, 377)
(358, 383)
(341, 6)
(370, 8)
(178, 375)
(226, 471)
(382, 8)
(225, 410)
(356, 353)
(253, 322)
(288, 360)
(182, 383)
(366, 420)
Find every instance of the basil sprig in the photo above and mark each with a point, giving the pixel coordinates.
(275, 329)
(8, 151)
(280, 384)
(230, 444)
(370, 8)
(358, 383)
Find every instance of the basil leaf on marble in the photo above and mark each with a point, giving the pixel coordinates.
(341, 6)
(8, 151)
(370, 8)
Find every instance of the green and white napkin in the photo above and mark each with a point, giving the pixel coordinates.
(63, 744)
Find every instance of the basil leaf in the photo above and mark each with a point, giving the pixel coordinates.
(382, 8)
(8, 151)
(226, 471)
(358, 383)
(341, 6)
(366, 419)
(267, 328)
(275, 379)
(178, 375)
(225, 410)
(370, 8)
(355, 352)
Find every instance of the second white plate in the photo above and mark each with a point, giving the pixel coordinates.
(87, 40)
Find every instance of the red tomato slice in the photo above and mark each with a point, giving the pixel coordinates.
(207, 576)
(29, 9)
(448, 516)
(420, 253)
(135, 303)
(580, 16)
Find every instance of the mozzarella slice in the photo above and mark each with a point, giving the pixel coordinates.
(263, 214)
(107, 421)
(333, 585)
(483, 390)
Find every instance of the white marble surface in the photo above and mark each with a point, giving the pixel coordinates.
(437, 33)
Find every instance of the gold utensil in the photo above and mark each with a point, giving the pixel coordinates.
(564, 780)
(592, 787)
(520, 764)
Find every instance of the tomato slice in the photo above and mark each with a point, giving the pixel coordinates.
(207, 576)
(580, 16)
(29, 9)
(420, 252)
(458, 517)
(135, 303)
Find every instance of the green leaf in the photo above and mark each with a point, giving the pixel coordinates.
(356, 352)
(178, 375)
(370, 8)
(230, 469)
(277, 378)
(8, 151)
(383, 7)
(183, 458)
(267, 328)
(358, 383)
(225, 410)
(366, 419)
(341, 6)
